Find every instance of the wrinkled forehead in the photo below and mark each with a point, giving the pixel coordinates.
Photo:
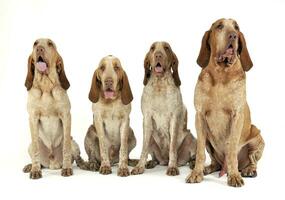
(110, 61)
(44, 42)
(160, 45)
(225, 22)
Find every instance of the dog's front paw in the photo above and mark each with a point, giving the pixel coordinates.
(105, 169)
(249, 171)
(194, 177)
(123, 171)
(137, 170)
(66, 172)
(235, 180)
(36, 174)
(172, 171)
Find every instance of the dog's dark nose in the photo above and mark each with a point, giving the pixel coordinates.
(233, 36)
(109, 82)
(158, 55)
(40, 49)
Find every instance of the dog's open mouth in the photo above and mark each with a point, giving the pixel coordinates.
(109, 93)
(41, 65)
(228, 56)
(158, 68)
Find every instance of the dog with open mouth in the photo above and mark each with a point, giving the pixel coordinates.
(166, 137)
(110, 139)
(49, 113)
(223, 121)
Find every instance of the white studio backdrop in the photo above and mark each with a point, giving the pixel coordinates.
(86, 31)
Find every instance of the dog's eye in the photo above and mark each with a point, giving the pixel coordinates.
(116, 67)
(102, 67)
(220, 26)
(36, 43)
(236, 27)
(50, 44)
(152, 48)
(166, 48)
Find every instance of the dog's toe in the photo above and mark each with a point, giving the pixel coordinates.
(36, 174)
(105, 170)
(249, 171)
(194, 177)
(123, 171)
(66, 172)
(235, 180)
(137, 170)
(172, 171)
(27, 168)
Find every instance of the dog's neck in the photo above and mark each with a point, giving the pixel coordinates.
(161, 81)
(46, 82)
(223, 73)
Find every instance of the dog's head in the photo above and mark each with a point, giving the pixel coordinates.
(43, 60)
(110, 82)
(225, 43)
(160, 59)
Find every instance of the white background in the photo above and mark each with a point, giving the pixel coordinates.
(84, 32)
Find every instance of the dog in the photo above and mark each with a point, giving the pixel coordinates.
(223, 121)
(49, 112)
(110, 138)
(166, 137)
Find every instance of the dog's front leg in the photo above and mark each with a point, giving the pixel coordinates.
(66, 165)
(197, 174)
(172, 166)
(35, 153)
(147, 132)
(232, 148)
(123, 163)
(105, 167)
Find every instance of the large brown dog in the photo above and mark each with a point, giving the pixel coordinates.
(223, 121)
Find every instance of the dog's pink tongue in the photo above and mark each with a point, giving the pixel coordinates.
(158, 69)
(41, 66)
(109, 94)
(229, 51)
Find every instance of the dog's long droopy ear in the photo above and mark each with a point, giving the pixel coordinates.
(126, 94)
(174, 67)
(244, 55)
(147, 70)
(61, 73)
(205, 51)
(30, 73)
(95, 88)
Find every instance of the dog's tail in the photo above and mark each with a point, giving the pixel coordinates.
(81, 163)
(133, 162)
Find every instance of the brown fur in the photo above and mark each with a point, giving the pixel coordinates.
(223, 121)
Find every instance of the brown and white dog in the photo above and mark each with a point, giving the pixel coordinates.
(166, 137)
(223, 121)
(49, 112)
(110, 138)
